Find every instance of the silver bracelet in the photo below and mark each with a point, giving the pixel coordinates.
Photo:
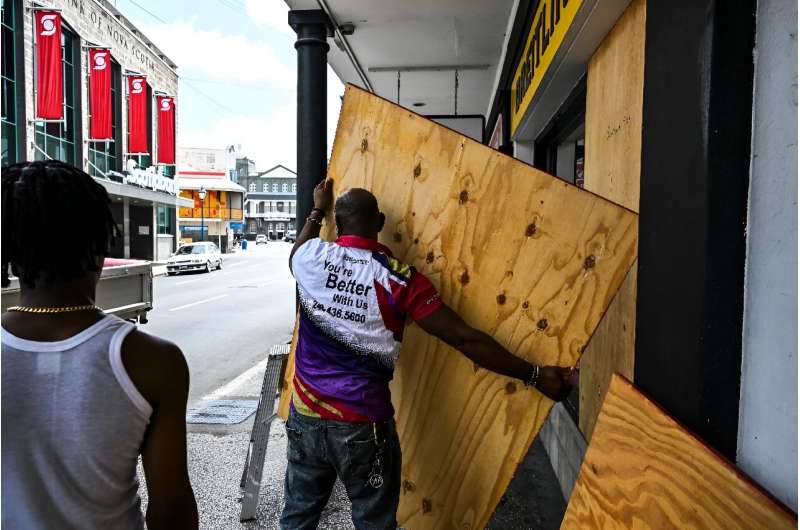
(534, 378)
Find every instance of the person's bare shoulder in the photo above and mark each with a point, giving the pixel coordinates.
(156, 366)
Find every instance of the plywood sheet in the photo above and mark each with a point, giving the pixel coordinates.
(518, 253)
(644, 470)
(614, 92)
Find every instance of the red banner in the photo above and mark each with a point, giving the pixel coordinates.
(137, 115)
(100, 94)
(49, 71)
(166, 129)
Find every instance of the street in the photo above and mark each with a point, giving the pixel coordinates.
(225, 321)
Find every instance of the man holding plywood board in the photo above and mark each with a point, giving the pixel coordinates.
(354, 298)
(532, 260)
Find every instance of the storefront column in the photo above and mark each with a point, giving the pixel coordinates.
(126, 227)
(312, 28)
(696, 133)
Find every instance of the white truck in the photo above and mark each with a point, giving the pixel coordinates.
(125, 289)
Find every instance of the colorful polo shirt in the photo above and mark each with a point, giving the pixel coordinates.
(354, 300)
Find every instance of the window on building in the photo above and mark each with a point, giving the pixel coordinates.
(265, 188)
(294, 187)
(280, 206)
(166, 219)
(211, 160)
(103, 155)
(285, 187)
(59, 140)
(261, 207)
(274, 187)
(168, 171)
(251, 188)
(9, 84)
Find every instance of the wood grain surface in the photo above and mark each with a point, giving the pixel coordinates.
(614, 92)
(644, 470)
(518, 253)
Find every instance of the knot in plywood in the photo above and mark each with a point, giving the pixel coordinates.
(364, 145)
(426, 506)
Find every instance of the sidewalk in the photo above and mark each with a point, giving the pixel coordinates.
(216, 459)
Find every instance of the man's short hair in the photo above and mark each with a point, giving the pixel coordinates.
(356, 205)
(56, 222)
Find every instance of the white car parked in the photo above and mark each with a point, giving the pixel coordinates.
(195, 257)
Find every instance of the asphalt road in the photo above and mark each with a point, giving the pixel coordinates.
(226, 321)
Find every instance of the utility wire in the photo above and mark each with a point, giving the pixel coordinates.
(211, 99)
(140, 6)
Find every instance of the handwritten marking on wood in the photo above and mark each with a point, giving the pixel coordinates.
(644, 470)
(463, 430)
(614, 95)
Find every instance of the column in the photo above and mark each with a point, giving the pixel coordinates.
(312, 28)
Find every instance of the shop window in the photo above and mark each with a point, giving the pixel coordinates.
(166, 219)
(9, 84)
(103, 155)
(168, 171)
(60, 140)
(559, 150)
(251, 188)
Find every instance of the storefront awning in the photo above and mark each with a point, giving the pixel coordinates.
(135, 192)
(211, 184)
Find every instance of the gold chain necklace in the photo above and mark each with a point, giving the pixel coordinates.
(67, 309)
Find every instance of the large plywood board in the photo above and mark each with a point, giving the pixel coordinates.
(518, 253)
(614, 92)
(644, 470)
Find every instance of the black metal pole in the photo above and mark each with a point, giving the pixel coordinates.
(312, 28)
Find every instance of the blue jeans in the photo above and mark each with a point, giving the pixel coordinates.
(320, 450)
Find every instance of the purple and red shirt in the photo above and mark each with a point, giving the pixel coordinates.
(355, 298)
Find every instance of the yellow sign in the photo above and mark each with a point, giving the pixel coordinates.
(551, 21)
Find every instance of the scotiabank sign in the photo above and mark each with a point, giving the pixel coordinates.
(147, 178)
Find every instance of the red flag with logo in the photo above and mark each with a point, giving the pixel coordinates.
(137, 115)
(166, 129)
(49, 72)
(100, 94)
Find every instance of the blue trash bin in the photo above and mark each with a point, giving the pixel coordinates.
(244, 244)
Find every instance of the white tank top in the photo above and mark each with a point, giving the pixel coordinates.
(72, 426)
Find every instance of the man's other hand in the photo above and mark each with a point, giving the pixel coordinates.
(323, 195)
(554, 382)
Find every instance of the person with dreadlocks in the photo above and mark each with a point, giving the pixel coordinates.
(83, 393)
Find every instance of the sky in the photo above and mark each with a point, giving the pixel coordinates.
(237, 73)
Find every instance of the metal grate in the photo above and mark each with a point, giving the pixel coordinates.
(222, 411)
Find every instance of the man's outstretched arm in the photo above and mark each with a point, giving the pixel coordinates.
(323, 200)
(483, 350)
